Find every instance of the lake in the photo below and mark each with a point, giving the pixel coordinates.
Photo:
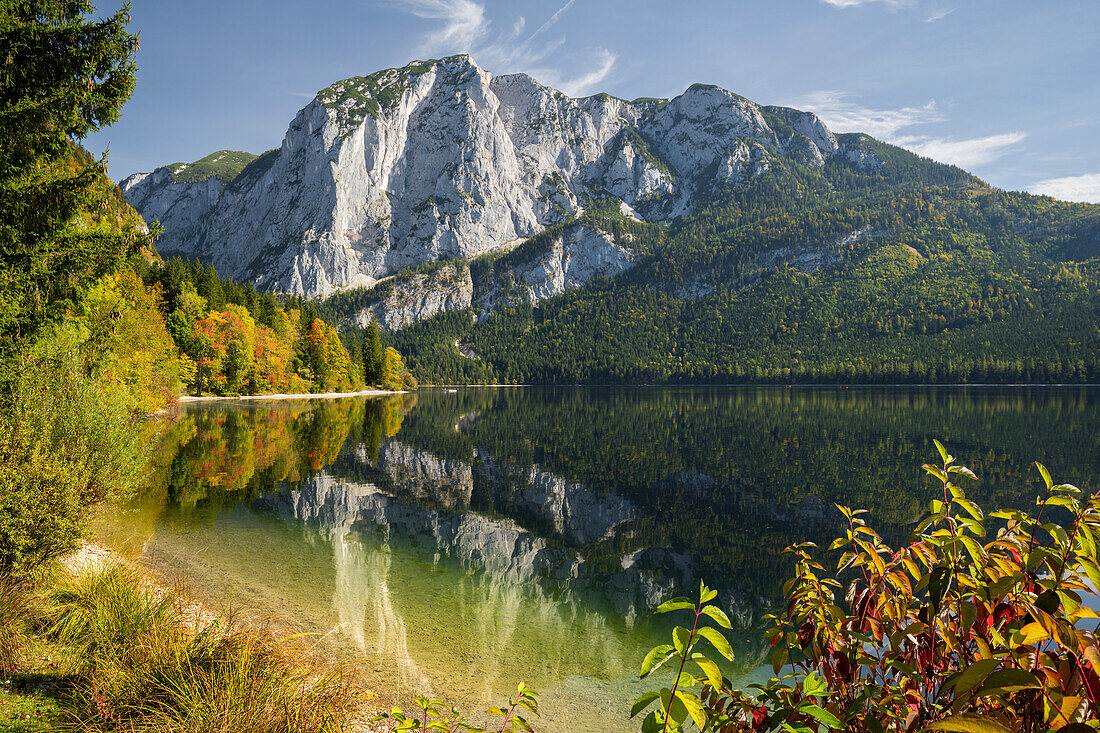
(454, 543)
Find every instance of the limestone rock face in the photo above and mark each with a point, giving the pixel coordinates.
(184, 205)
(420, 297)
(441, 160)
(568, 259)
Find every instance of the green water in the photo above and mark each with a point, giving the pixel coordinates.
(455, 543)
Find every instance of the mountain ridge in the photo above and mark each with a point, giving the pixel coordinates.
(388, 171)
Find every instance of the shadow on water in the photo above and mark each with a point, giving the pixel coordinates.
(456, 543)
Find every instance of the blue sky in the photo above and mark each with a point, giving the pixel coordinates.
(1009, 90)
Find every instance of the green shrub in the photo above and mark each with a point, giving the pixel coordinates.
(41, 513)
(67, 440)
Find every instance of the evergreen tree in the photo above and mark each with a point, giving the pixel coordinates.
(374, 356)
(209, 286)
(63, 77)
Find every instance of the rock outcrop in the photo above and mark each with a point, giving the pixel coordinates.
(552, 264)
(419, 297)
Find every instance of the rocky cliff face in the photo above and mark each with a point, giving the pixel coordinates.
(419, 297)
(442, 160)
(183, 205)
(560, 261)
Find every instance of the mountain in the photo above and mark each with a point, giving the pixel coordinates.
(502, 231)
(441, 159)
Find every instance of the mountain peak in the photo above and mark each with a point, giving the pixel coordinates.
(225, 165)
(355, 98)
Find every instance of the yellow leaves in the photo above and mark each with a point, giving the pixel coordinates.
(1089, 651)
(872, 558)
(910, 566)
(1030, 634)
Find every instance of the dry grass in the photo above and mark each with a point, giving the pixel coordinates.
(144, 669)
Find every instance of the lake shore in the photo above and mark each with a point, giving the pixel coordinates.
(295, 396)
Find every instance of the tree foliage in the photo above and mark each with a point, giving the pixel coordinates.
(62, 77)
(69, 439)
(234, 340)
(374, 356)
(78, 352)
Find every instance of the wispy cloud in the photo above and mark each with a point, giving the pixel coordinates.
(939, 15)
(963, 153)
(585, 83)
(843, 115)
(464, 23)
(1071, 188)
(855, 3)
(465, 28)
(553, 18)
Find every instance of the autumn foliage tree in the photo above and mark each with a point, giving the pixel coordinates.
(329, 361)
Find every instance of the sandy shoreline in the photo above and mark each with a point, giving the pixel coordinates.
(301, 396)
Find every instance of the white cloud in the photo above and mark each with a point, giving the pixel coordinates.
(842, 115)
(892, 125)
(855, 3)
(464, 23)
(466, 29)
(553, 18)
(585, 83)
(963, 153)
(1070, 188)
(938, 15)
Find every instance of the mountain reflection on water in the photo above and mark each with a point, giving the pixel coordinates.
(460, 542)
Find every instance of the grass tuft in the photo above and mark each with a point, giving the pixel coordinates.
(146, 667)
(14, 629)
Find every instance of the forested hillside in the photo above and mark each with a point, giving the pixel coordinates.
(910, 272)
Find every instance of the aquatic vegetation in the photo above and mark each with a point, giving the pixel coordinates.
(437, 715)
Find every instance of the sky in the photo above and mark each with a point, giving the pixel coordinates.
(1007, 89)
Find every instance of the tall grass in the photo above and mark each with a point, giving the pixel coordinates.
(146, 668)
(15, 621)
